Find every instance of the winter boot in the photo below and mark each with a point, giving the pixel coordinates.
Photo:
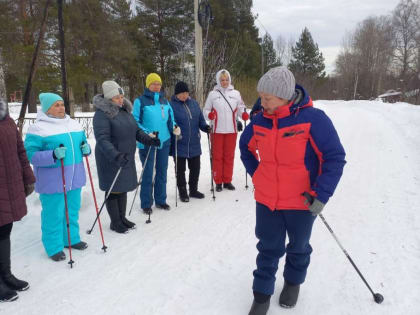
(59, 256)
(147, 210)
(122, 206)
(5, 270)
(79, 246)
(193, 185)
(183, 195)
(228, 186)
(260, 305)
(114, 214)
(219, 187)
(289, 295)
(6, 294)
(259, 308)
(163, 206)
(196, 194)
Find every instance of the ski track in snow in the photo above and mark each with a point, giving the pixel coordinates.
(198, 257)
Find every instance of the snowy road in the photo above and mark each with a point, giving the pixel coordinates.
(198, 258)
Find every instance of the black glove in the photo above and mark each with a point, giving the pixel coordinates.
(239, 126)
(155, 142)
(29, 189)
(121, 159)
(208, 129)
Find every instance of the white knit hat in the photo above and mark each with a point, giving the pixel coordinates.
(111, 89)
(278, 81)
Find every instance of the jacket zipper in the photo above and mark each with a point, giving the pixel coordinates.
(189, 125)
(275, 157)
(74, 160)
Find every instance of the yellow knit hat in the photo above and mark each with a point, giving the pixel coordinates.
(152, 77)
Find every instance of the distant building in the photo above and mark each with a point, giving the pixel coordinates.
(390, 96)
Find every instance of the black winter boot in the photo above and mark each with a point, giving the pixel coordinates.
(259, 308)
(183, 195)
(6, 294)
(289, 295)
(163, 206)
(260, 305)
(114, 214)
(58, 256)
(219, 187)
(5, 270)
(147, 210)
(122, 206)
(79, 246)
(228, 186)
(196, 194)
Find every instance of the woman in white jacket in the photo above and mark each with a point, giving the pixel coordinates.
(223, 106)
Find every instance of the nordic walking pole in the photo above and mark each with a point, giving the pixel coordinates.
(104, 247)
(106, 198)
(153, 176)
(71, 262)
(140, 179)
(377, 297)
(176, 171)
(211, 165)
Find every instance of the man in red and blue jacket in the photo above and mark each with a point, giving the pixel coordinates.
(295, 158)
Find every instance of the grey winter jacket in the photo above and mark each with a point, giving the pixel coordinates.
(116, 132)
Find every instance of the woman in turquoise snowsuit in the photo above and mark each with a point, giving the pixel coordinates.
(44, 138)
(152, 112)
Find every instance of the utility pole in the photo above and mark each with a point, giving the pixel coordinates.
(199, 75)
(262, 57)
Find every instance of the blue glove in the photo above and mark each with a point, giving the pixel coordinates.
(85, 149)
(59, 153)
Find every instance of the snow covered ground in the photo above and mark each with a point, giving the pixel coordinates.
(198, 258)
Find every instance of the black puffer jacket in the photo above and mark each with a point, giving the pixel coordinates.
(116, 132)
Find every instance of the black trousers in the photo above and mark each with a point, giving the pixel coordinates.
(5, 231)
(116, 205)
(194, 167)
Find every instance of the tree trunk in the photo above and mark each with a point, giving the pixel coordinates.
(33, 67)
(3, 92)
(63, 58)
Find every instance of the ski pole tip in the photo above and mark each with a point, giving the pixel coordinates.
(378, 298)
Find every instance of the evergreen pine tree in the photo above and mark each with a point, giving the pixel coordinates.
(307, 60)
(168, 27)
(270, 56)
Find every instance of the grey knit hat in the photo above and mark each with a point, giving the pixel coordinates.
(278, 81)
(111, 89)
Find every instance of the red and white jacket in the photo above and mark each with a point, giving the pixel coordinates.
(225, 115)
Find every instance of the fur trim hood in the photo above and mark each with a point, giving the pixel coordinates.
(108, 107)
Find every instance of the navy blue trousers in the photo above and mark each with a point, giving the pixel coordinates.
(271, 229)
(159, 189)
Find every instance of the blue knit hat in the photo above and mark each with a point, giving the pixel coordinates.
(48, 99)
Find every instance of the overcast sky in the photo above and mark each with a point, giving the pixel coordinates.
(327, 20)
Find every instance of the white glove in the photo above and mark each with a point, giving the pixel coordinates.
(177, 131)
(152, 135)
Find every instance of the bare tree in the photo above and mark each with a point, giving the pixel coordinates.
(405, 25)
(216, 57)
(366, 58)
(280, 46)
